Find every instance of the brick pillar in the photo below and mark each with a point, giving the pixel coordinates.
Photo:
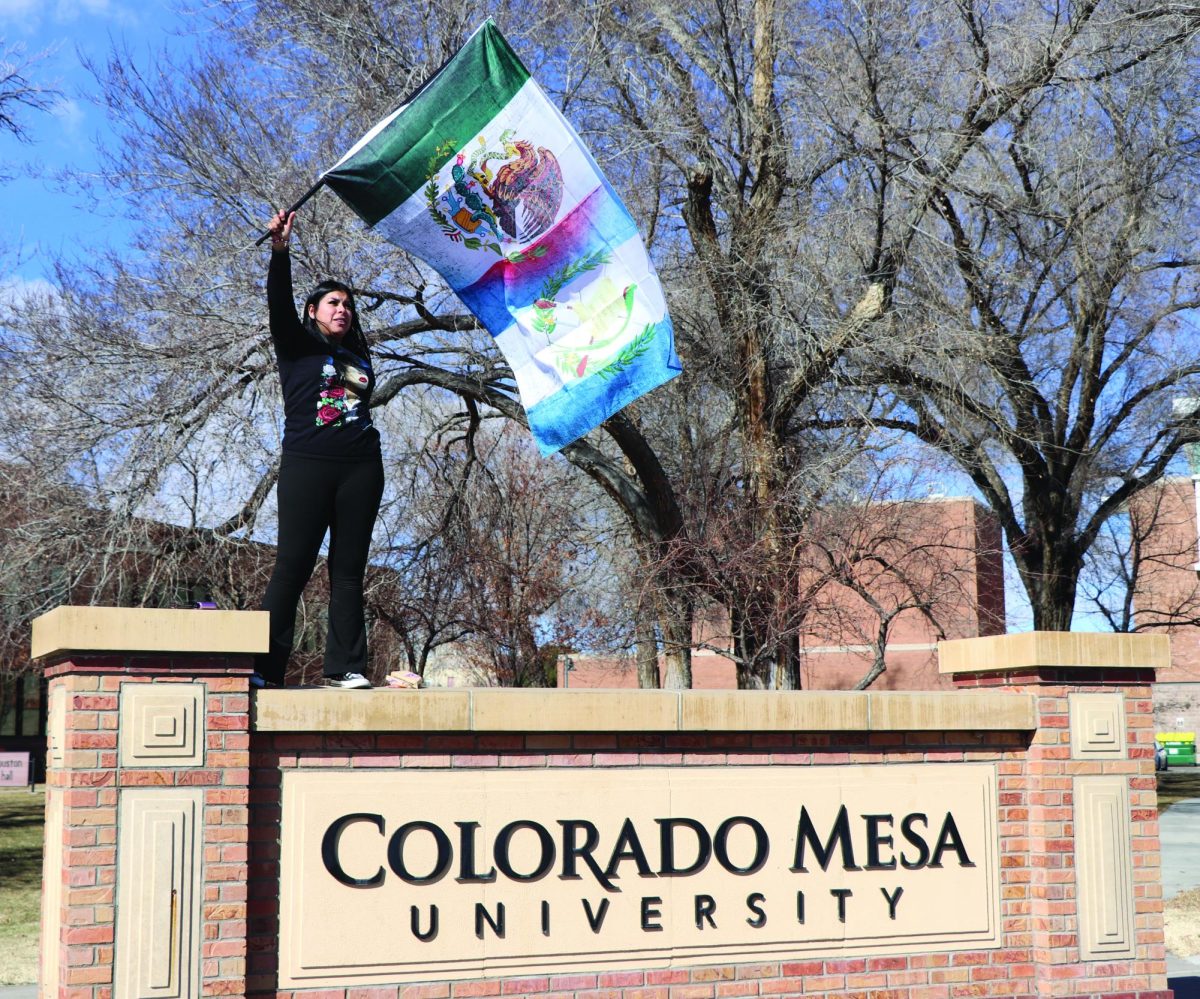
(147, 772)
(1092, 899)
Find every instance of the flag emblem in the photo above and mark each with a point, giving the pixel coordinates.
(489, 197)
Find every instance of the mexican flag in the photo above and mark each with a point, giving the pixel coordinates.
(482, 177)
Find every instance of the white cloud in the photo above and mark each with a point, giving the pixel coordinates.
(21, 17)
(16, 293)
(70, 115)
(18, 290)
(25, 17)
(69, 11)
(66, 11)
(18, 8)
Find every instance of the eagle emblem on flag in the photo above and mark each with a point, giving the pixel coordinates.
(487, 207)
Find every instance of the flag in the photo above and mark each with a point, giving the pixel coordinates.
(481, 176)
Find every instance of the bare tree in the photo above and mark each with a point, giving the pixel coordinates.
(868, 215)
(495, 556)
(20, 93)
(1049, 263)
(1142, 573)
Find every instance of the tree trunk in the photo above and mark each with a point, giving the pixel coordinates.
(747, 648)
(1054, 603)
(1050, 574)
(675, 619)
(766, 659)
(787, 665)
(647, 651)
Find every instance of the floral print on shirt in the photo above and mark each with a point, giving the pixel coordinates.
(334, 404)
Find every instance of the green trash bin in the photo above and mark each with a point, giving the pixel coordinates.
(1180, 747)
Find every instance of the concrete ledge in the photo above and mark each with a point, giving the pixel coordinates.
(498, 709)
(773, 711)
(507, 710)
(319, 710)
(965, 711)
(1070, 649)
(142, 629)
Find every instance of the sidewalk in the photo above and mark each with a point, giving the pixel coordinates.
(1179, 829)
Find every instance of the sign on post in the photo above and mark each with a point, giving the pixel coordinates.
(14, 769)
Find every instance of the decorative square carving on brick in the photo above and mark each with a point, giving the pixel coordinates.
(162, 725)
(159, 893)
(1097, 726)
(1104, 868)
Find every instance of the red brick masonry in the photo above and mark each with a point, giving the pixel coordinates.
(91, 778)
(1039, 954)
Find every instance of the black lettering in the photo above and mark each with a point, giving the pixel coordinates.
(875, 840)
(628, 847)
(800, 907)
(483, 916)
(706, 905)
(649, 913)
(762, 844)
(500, 850)
(329, 850)
(445, 853)
(595, 919)
(949, 838)
(754, 904)
(415, 920)
(545, 918)
(466, 856)
(916, 839)
(839, 836)
(841, 894)
(666, 838)
(892, 900)
(571, 852)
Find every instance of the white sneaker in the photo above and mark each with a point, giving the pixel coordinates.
(348, 681)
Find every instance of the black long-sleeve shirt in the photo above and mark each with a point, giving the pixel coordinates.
(325, 404)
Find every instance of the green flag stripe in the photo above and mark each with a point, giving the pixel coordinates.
(455, 105)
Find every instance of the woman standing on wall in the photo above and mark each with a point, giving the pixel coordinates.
(331, 474)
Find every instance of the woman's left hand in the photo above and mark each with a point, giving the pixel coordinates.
(280, 229)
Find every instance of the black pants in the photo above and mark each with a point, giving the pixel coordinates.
(316, 495)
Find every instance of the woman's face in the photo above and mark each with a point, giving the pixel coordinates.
(333, 314)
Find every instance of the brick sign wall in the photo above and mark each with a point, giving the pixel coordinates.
(301, 844)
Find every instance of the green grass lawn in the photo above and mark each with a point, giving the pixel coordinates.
(21, 819)
(1176, 785)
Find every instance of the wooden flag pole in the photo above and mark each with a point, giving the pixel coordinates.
(295, 208)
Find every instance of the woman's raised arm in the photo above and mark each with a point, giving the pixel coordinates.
(281, 304)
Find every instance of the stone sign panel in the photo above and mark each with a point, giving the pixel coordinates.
(391, 876)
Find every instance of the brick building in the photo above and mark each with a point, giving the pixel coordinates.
(1166, 594)
(925, 570)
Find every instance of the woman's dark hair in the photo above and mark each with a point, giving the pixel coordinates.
(355, 339)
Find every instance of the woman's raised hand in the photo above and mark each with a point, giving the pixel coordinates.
(280, 229)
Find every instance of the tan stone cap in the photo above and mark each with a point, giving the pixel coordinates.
(1073, 649)
(509, 710)
(144, 629)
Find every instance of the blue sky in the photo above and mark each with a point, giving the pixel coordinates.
(38, 218)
